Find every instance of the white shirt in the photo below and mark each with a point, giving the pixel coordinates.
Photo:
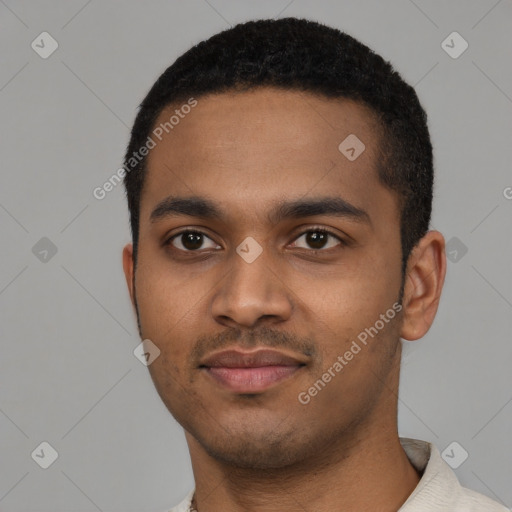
(438, 490)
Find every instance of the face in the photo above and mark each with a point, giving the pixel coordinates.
(258, 233)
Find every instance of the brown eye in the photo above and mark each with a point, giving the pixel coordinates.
(191, 241)
(318, 239)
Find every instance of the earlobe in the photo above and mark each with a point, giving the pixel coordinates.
(426, 271)
(128, 269)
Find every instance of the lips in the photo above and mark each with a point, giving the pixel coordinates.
(254, 359)
(250, 372)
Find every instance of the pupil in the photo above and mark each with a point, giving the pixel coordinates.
(192, 241)
(316, 239)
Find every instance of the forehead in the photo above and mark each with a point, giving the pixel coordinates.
(267, 116)
(260, 145)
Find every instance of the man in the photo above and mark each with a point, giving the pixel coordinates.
(279, 180)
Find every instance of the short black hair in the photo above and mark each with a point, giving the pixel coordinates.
(302, 55)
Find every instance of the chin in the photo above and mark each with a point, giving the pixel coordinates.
(245, 456)
(249, 447)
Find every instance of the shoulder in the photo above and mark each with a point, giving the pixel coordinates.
(439, 489)
(184, 505)
(472, 501)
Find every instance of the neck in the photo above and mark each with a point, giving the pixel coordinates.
(351, 475)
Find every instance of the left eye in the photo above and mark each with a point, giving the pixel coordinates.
(318, 239)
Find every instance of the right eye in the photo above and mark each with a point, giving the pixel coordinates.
(190, 241)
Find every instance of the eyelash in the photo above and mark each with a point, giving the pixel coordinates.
(323, 230)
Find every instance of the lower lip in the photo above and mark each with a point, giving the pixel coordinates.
(250, 380)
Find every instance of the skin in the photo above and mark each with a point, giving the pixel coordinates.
(266, 451)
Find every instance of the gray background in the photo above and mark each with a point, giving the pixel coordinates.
(68, 375)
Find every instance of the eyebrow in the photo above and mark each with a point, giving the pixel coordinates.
(205, 209)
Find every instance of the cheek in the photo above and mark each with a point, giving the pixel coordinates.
(358, 350)
(356, 317)
(169, 303)
(344, 303)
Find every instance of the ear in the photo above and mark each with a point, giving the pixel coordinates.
(128, 269)
(426, 270)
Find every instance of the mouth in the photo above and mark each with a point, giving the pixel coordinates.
(251, 372)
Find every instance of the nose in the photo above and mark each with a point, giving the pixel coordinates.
(251, 293)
